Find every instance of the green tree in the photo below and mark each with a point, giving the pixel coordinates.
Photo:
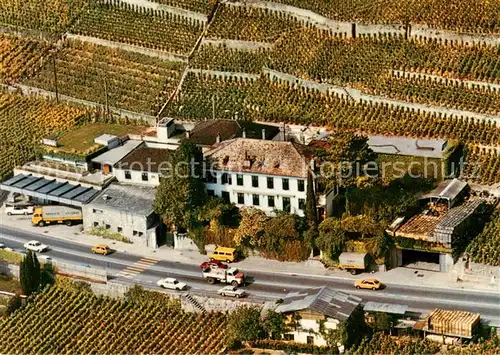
(14, 304)
(30, 273)
(244, 325)
(181, 191)
(251, 229)
(274, 324)
(331, 237)
(311, 211)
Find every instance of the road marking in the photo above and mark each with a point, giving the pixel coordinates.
(138, 267)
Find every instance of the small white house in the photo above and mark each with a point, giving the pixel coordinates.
(269, 175)
(316, 308)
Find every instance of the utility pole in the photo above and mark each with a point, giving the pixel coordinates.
(55, 78)
(213, 107)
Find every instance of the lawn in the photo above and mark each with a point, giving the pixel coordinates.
(10, 257)
(8, 284)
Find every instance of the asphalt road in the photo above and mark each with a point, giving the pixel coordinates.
(261, 285)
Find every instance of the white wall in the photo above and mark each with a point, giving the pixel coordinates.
(136, 177)
(248, 190)
(305, 327)
(131, 224)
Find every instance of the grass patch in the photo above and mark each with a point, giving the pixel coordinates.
(82, 139)
(10, 257)
(8, 284)
(102, 232)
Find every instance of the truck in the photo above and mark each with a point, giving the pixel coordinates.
(56, 214)
(229, 276)
(353, 262)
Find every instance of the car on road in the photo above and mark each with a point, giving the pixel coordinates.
(2, 245)
(213, 264)
(372, 284)
(35, 245)
(102, 249)
(232, 291)
(11, 210)
(172, 284)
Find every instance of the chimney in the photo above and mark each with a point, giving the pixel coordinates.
(244, 133)
(263, 133)
(188, 134)
(217, 139)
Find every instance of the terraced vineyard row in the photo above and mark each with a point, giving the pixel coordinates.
(482, 166)
(129, 80)
(24, 121)
(464, 15)
(64, 321)
(142, 27)
(212, 57)
(202, 6)
(267, 100)
(485, 248)
(45, 15)
(20, 57)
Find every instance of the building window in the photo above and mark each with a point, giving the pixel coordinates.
(225, 196)
(210, 192)
(300, 185)
(270, 201)
(97, 211)
(108, 226)
(288, 337)
(255, 199)
(286, 204)
(310, 340)
(285, 184)
(211, 177)
(141, 234)
(226, 179)
(239, 180)
(302, 204)
(270, 183)
(134, 233)
(255, 181)
(241, 198)
(145, 177)
(96, 224)
(128, 176)
(119, 229)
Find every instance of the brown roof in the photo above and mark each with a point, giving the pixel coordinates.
(259, 156)
(145, 159)
(419, 227)
(206, 132)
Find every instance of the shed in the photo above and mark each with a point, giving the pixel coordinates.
(448, 190)
(397, 309)
(455, 323)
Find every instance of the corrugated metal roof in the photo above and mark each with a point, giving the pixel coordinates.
(385, 307)
(325, 300)
(448, 189)
(48, 189)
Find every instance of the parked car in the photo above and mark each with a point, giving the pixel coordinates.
(18, 210)
(232, 291)
(224, 254)
(373, 284)
(213, 264)
(102, 249)
(35, 245)
(172, 284)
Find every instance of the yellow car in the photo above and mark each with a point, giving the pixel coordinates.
(373, 284)
(102, 249)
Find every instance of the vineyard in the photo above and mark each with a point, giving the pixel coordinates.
(202, 6)
(485, 248)
(53, 16)
(142, 27)
(65, 321)
(24, 121)
(20, 57)
(482, 166)
(280, 102)
(126, 80)
(465, 15)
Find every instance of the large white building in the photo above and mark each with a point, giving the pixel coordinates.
(269, 175)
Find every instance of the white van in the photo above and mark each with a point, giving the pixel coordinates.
(18, 210)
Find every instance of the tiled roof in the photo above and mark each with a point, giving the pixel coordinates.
(206, 132)
(324, 300)
(258, 156)
(145, 159)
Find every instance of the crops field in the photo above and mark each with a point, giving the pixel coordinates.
(482, 166)
(142, 27)
(485, 248)
(128, 80)
(202, 6)
(24, 121)
(65, 321)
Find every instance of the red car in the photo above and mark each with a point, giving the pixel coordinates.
(213, 264)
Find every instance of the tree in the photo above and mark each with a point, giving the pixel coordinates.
(331, 237)
(30, 273)
(244, 325)
(251, 229)
(274, 324)
(311, 212)
(181, 191)
(14, 304)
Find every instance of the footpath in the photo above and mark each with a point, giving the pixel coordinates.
(309, 268)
